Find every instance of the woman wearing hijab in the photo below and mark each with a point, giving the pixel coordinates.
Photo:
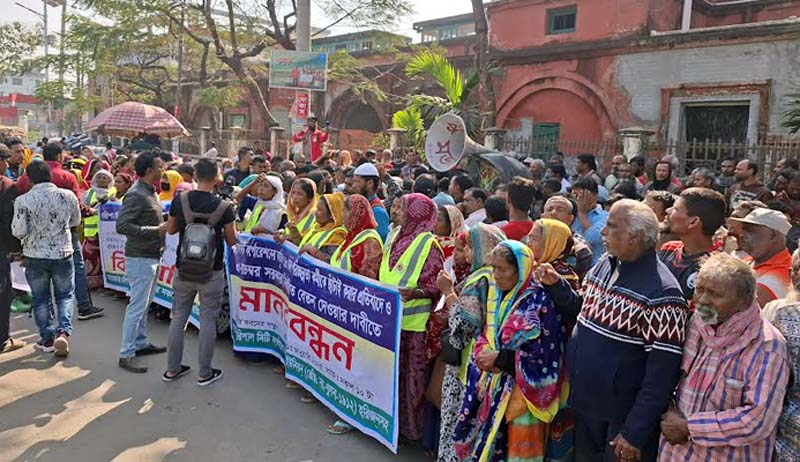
(466, 305)
(516, 383)
(361, 252)
(88, 171)
(269, 213)
(169, 182)
(328, 232)
(100, 192)
(662, 179)
(300, 210)
(122, 183)
(449, 224)
(412, 260)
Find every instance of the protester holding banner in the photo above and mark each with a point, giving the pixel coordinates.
(204, 206)
(412, 260)
(510, 397)
(466, 305)
(100, 192)
(269, 211)
(362, 249)
(300, 210)
(328, 232)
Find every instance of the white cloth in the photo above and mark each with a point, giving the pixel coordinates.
(475, 217)
(273, 209)
(211, 153)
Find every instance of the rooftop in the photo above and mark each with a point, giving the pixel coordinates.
(359, 35)
(459, 19)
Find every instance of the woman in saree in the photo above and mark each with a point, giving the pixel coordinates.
(416, 217)
(100, 192)
(328, 232)
(169, 182)
(122, 183)
(299, 210)
(449, 224)
(466, 305)
(516, 383)
(361, 252)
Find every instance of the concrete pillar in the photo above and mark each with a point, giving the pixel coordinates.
(23, 124)
(394, 137)
(234, 143)
(204, 139)
(275, 134)
(635, 141)
(333, 138)
(686, 20)
(493, 137)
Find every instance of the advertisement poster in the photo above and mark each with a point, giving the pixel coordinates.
(298, 70)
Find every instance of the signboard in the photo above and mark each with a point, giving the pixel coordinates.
(338, 333)
(298, 70)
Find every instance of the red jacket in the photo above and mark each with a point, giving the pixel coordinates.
(318, 138)
(58, 176)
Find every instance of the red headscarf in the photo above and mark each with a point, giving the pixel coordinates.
(420, 212)
(359, 217)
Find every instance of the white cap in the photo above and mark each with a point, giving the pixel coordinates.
(769, 218)
(366, 169)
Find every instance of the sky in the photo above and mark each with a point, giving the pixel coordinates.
(424, 10)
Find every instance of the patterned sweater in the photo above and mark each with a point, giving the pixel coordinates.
(625, 354)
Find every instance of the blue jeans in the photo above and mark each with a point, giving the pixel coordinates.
(41, 274)
(82, 297)
(141, 273)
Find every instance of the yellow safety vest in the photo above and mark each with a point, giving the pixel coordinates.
(466, 352)
(318, 239)
(341, 257)
(91, 224)
(252, 222)
(406, 273)
(305, 224)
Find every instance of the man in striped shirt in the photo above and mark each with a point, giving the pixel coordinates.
(734, 373)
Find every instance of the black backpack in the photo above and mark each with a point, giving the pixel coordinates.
(198, 249)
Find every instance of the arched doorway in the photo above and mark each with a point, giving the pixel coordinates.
(361, 116)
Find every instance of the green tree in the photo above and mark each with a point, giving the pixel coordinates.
(18, 43)
(410, 120)
(219, 99)
(791, 117)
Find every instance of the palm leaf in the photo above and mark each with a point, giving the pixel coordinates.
(791, 117)
(428, 63)
(470, 84)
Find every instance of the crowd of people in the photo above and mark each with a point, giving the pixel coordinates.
(631, 317)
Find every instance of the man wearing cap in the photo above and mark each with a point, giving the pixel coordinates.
(366, 181)
(763, 237)
(312, 140)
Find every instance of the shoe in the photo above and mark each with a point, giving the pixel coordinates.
(150, 349)
(45, 345)
(11, 345)
(184, 370)
(90, 313)
(61, 345)
(216, 374)
(129, 364)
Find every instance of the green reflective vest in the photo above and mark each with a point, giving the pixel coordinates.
(341, 257)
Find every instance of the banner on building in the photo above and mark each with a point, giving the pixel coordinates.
(112, 255)
(337, 333)
(298, 70)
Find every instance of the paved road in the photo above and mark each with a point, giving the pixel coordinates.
(86, 409)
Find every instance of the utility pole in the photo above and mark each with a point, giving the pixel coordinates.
(61, 62)
(177, 109)
(303, 29)
(46, 68)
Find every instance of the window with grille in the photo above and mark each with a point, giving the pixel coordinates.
(562, 20)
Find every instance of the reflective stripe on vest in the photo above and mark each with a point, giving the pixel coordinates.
(91, 224)
(305, 224)
(406, 273)
(252, 222)
(318, 239)
(341, 258)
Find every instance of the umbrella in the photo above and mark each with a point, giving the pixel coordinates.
(131, 119)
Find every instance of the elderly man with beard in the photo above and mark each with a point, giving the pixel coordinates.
(734, 373)
(627, 345)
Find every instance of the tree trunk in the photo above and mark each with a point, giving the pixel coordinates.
(257, 95)
(486, 90)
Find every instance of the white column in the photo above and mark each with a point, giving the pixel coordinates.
(686, 23)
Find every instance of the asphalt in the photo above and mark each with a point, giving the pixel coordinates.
(86, 409)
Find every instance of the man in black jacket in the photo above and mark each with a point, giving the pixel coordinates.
(8, 245)
(140, 220)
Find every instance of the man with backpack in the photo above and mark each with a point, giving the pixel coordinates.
(202, 219)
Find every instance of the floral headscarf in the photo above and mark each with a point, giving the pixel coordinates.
(359, 217)
(500, 305)
(296, 214)
(483, 239)
(456, 219)
(420, 212)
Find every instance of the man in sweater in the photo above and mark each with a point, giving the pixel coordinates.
(627, 344)
(734, 373)
(747, 188)
(140, 220)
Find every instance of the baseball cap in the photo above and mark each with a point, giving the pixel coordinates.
(772, 219)
(366, 169)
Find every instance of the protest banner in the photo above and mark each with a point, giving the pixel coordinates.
(299, 70)
(112, 256)
(337, 333)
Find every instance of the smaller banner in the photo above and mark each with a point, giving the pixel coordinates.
(112, 255)
(298, 70)
(18, 280)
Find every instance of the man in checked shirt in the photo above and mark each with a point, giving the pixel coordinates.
(735, 370)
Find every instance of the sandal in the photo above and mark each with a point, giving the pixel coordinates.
(308, 398)
(292, 386)
(184, 370)
(11, 345)
(340, 427)
(280, 370)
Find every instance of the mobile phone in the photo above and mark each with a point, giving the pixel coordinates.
(327, 123)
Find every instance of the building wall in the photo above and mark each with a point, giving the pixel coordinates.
(29, 82)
